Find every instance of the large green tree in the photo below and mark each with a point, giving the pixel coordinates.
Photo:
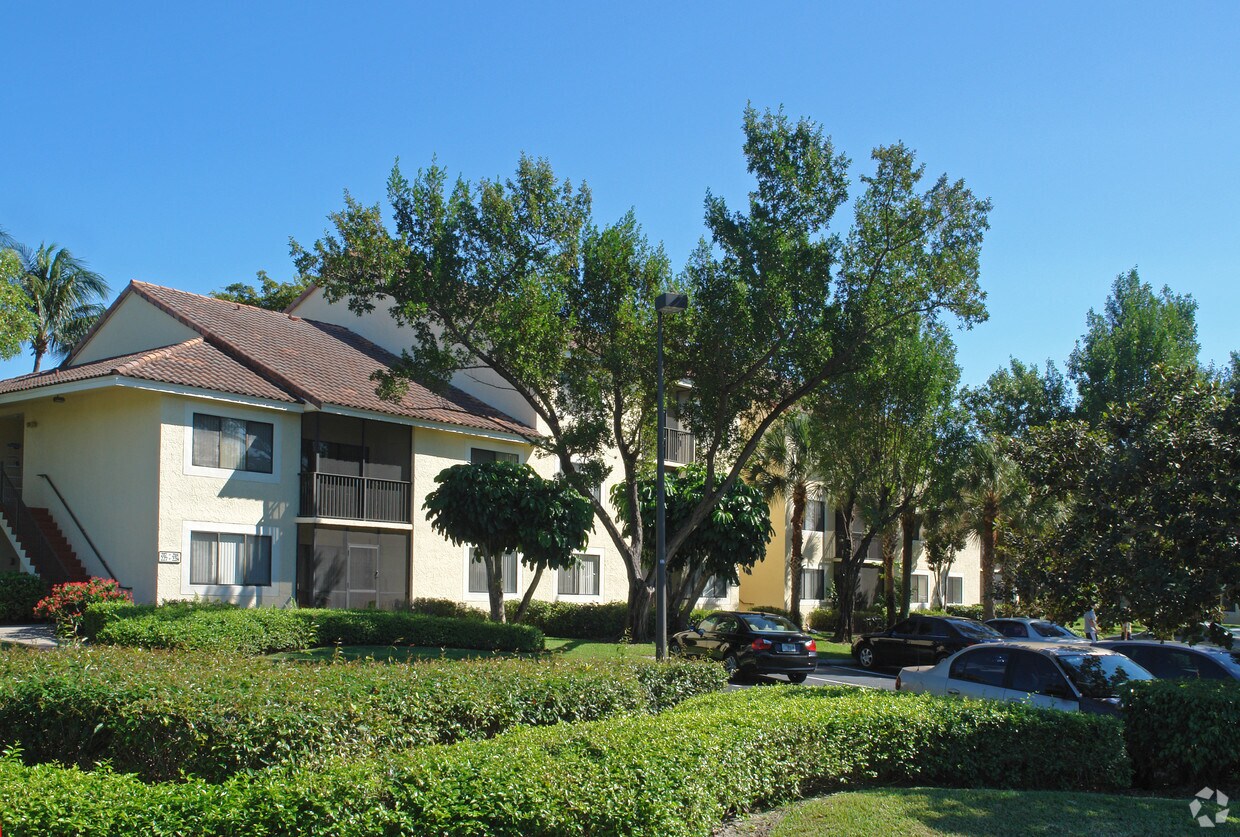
(1018, 397)
(1151, 502)
(267, 293)
(513, 274)
(1136, 331)
(731, 539)
(501, 507)
(16, 318)
(64, 296)
(785, 468)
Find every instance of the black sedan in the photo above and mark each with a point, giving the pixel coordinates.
(920, 641)
(1177, 661)
(750, 643)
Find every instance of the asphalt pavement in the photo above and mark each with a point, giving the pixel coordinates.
(833, 674)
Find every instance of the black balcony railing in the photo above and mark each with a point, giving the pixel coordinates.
(680, 447)
(354, 498)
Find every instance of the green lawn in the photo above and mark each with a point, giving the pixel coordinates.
(575, 648)
(985, 813)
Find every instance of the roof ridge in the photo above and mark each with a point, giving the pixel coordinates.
(224, 345)
(155, 354)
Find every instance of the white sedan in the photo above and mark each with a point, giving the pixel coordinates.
(1071, 678)
(1034, 630)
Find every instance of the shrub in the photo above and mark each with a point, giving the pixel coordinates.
(634, 775)
(67, 602)
(212, 715)
(776, 609)
(1184, 732)
(389, 627)
(224, 627)
(19, 593)
(446, 607)
(601, 622)
(827, 620)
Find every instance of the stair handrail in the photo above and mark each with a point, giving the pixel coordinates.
(38, 550)
(81, 528)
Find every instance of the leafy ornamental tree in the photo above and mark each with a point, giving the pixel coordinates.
(1152, 501)
(733, 538)
(785, 468)
(1017, 398)
(881, 433)
(269, 294)
(64, 297)
(501, 507)
(1138, 330)
(514, 276)
(16, 318)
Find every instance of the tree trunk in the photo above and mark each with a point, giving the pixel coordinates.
(641, 603)
(495, 585)
(988, 564)
(529, 594)
(889, 575)
(798, 543)
(908, 528)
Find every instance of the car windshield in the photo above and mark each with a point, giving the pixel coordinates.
(974, 630)
(767, 623)
(1101, 675)
(1050, 629)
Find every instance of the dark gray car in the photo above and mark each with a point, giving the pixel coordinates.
(1177, 661)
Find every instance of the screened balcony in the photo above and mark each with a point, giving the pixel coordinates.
(355, 469)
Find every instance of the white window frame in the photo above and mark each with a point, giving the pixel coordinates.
(228, 412)
(602, 583)
(926, 600)
(947, 590)
(188, 527)
(484, 596)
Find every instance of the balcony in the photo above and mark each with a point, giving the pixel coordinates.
(354, 498)
(679, 446)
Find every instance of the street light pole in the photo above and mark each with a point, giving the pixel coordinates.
(665, 303)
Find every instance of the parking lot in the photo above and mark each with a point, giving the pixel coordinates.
(834, 674)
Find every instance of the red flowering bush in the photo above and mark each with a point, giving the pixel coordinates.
(67, 602)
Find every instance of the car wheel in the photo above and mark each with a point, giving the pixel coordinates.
(797, 678)
(865, 656)
(732, 666)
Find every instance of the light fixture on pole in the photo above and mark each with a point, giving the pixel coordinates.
(666, 303)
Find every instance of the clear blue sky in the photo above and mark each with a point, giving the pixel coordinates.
(183, 144)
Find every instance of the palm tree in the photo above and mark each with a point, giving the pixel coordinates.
(994, 491)
(64, 296)
(785, 467)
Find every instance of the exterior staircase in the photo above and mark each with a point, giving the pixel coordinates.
(69, 565)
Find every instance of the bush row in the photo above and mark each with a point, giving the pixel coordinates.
(605, 622)
(827, 620)
(19, 593)
(678, 773)
(225, 627)
(212, 715)
(1183, 732)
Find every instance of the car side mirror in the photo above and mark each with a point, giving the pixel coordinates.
(698, 630)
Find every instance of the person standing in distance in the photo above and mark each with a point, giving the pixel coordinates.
(1091, 624)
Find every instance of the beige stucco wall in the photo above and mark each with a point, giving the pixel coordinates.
(245, 503)
(133, 326)
(101, 449)
(379, 327)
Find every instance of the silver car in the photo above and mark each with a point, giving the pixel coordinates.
(1034, 630)
(1071, 678)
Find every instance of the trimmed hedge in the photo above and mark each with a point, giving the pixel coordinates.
(261, 630)
(19, 593)
(827, 620)
(447, 607)
(212, 715)
(601, 622)
(1183, 732)
(678, 773)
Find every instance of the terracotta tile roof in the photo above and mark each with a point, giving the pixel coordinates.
(318, 362)
(194, 363)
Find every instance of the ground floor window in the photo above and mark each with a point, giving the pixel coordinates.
(581, 579)
(955, 590)
(920, 592)
(478, 572)
(222, 558)
(716, 588)
(813, 583)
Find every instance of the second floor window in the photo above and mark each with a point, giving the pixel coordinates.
(479, 455)
(232, 444)
(815, 516)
